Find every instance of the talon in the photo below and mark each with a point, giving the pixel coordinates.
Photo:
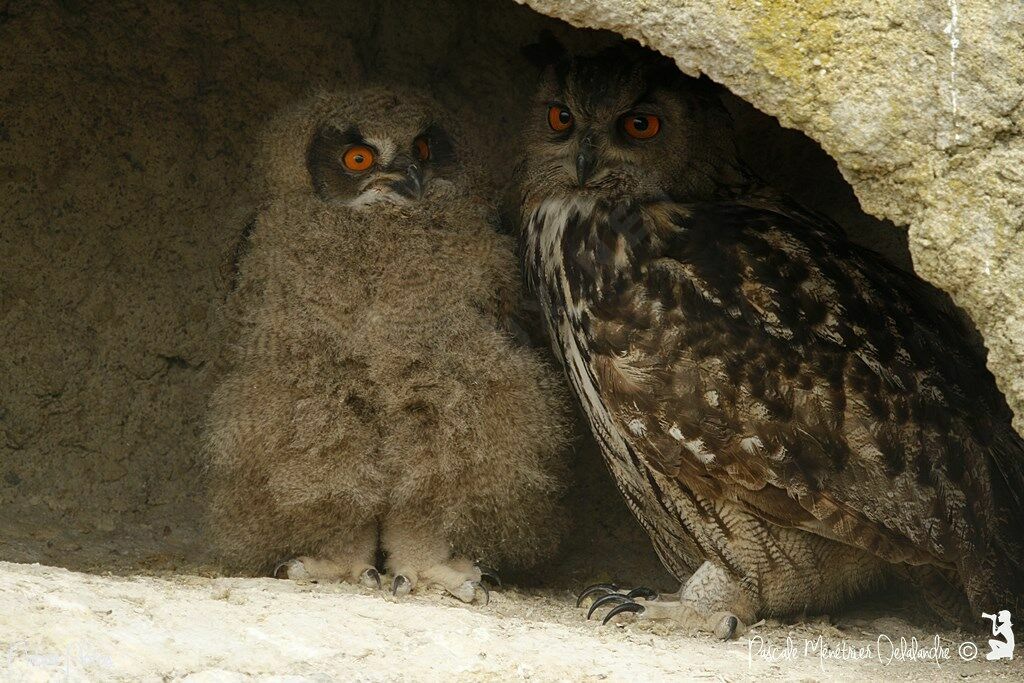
(489, 574)
(595, 588)
(370, 578)
(730, 623)
(642, 592)
(290, 569)
(603, 600)
(401, 586)
(634, 607)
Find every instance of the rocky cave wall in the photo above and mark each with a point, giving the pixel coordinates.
(126, 142)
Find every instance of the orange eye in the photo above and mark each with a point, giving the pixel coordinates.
(422, 149)
(641, 126)
(559, 118)
(358, 158)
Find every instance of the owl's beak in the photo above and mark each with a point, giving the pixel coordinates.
(586, 160)
(411, 184)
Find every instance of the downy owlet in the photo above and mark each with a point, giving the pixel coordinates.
(375, 397)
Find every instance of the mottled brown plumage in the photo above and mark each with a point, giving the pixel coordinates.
(373, 395)
(781, 408)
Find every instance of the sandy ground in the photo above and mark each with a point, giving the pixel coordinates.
(58, 624)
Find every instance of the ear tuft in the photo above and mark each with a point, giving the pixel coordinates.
(545, 52)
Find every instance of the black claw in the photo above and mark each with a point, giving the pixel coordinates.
(642, 592)
(596, 588)
(604, 600)
(624, 607)
(733, 625)
(373, 575)
(399, 582)
(281, 570)
(489, 574)
(487, 593)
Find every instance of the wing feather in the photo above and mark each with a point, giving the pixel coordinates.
(809, 380)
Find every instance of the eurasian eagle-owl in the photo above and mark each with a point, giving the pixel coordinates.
(789, 416)
(373, 396)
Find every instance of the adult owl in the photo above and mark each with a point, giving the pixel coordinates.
(374, 397)
(791, 418)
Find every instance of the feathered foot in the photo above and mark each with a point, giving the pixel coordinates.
(460, 578)
(418, 553)
(323, 570)
(316, 569)
(347, 558)
(710, 600)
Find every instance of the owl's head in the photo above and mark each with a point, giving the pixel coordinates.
(366, 147)
(626, 124)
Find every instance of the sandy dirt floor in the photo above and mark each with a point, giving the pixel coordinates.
(60, 625)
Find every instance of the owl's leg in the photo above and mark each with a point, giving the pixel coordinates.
(419, 554)
(348, 557)
(710, 600)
